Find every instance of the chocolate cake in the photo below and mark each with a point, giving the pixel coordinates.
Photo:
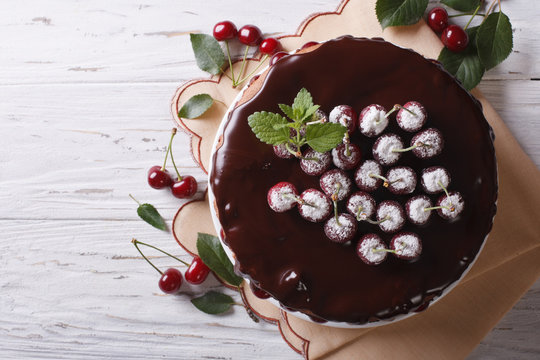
(292, 259)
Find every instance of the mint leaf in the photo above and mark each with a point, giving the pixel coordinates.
(466, 65)
(324, 137)
(196, 106)
(287, 110)
(462, 5)
(265, 125)
(494, 39)
(148, 213)
(212, 254)
(400, 12)
(302, 101)
(213, 302)
(208, 53)
(309, 112)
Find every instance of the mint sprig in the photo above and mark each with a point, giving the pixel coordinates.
(275, 129)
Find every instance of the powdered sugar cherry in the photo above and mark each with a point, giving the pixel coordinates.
(282, 197)
(364, 178)
(336, 182)
(373, 120)
(427, 143)
(384, 149)
(315, 163)
(342, 229)
(406, 245)
(412, 116)
(314, 205)
(450, 206)
(361, 205)
(390, 216)
(281, 151)
(344, 115)
(401, 180)
(371, 249)
(433, 177)
(346, 157)
(415, 208)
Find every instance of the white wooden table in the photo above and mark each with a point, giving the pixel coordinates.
(85, 88)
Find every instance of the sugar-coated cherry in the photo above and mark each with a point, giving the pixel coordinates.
(366, 176)
(258, 292)
(171, 281)
(346, 157)
(342, 229)
(315, 163)
(455, 38)
(406, 246)
(197, 271)
(336, 182)
(184, 188)
(427, 143)
(158, 178)
(386, 149)
(390, 216)
(450, 206)
(225, 30)
(282, 197)
(269, 46)
(415, 209)
(344, 115)
(275, 58)
(371, 249)
(308, 44)
(412, 116)
(250, 35)
(281, 151)
(402, 180)
(372, 120)
(315, 206)
(361, 205)
(438, 19)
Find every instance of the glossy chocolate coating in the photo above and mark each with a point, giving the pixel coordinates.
(291, 258)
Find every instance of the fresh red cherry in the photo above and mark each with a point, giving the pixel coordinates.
(250, 35)
(158, 178)
(274, 59)
(171, 281)
(438, 19)
(258, 292)
(269, 46)
(225, 30)
(197, 271)
(455, 38)
(308, 44)
(184, 188)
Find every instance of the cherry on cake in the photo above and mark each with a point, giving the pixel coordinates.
(390, 216)
(427, 143)
(282, 197)
(406, 245)
(401, 180)
(412, 116)
(314, 205)
(315, 163)
(435, 179)
(373, 120)
(340, 228)
(336, 182)
(451, 205)
(344, 115)
(417, 209)
(371, 249)
(367, 176)
(361, 205)
(346, 156)
(386, 149)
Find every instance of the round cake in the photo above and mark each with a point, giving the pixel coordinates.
(366, 279)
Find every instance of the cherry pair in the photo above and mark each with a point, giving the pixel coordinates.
(159, 177)
(453, 36)
(171, 279)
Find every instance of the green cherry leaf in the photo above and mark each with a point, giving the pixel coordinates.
(213, 302)
(196, 106)
(400, 12)
(208, 53)
(302, 101)
(212, 254)
(287, 110)
(148, 213)
(462, 5)
(466, 65)
(266, 126)
(494, 40)
(324, 137)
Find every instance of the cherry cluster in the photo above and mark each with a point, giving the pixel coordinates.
(171, 279)
(159, 178)
(337, 185)
(249, 35)
(453, 36)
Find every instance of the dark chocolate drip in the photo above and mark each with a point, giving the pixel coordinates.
(290, 257)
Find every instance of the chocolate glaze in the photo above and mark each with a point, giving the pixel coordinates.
(291, 258)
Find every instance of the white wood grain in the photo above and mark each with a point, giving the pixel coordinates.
(84, 111)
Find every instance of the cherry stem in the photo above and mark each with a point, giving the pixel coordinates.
(136, 242)
(252, 72)
(439, 207)
(297, 153)
(419, 144)
(235, 84)
(472, 17)
(137, 201)
(491, 7)
(384, 250)
(386, 181)
(396, 107)
(346, 141)
(172, 157)
(377, 222)
(173, 132)
(230, 61)
(334, 201)
(465, 14)
(359, 212)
